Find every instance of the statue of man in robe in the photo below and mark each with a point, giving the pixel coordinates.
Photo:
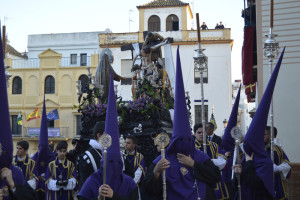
(103, 76)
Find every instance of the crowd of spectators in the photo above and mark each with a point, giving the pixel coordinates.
(218, 26)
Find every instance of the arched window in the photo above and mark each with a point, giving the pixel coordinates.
(17, 85)
(172, 23)
(49, 85)
(154, 23)
(84, 83)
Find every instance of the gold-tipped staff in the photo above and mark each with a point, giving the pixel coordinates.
(105, 141)
(162, 140)
(236, 134)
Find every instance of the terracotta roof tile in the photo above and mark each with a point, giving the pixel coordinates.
(163, 3)
(13, 51)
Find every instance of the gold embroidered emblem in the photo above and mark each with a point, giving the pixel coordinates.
(5, 191)
(183, 171)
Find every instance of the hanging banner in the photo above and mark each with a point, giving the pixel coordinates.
(52, 132)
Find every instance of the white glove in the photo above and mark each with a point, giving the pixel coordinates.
(71, 184)
(52, 185)
(276, 168)
(220, 162)
(32, 183)
(284, 168)
(137, 175)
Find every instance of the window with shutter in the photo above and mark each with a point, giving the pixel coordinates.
(172, 23)
(154, 23)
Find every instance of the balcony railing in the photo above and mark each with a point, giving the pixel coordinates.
(35, 62)
(178, 36)
(52, 132)
(26, 63)
(66, 62)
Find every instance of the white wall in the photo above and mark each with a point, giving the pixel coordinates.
(162, 13)
(244, 106)
(64, 43)
(123, 90)
(286, 94)
(218, 91)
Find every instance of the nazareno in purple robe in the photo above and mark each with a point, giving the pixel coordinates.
(181, 186)
(6, 141)
(254, 138)
(228, 142)
(179, 178)
(18, 178)
(120, 183)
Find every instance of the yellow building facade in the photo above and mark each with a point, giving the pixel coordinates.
(30, 94)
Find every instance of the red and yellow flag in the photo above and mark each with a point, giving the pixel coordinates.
(34, 115)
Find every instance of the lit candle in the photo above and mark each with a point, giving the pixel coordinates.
(116, 89)
(101, 89)
(187, 94)
(89, 71)
(93, 80)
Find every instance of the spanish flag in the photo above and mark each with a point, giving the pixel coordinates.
(34, 115)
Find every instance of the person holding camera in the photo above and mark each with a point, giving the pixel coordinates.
(61, 175)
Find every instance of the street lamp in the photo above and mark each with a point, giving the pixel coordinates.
(89, 72)
(271, 47)
(200, 63)
(200, 60)
(79, 87)
(116, 89)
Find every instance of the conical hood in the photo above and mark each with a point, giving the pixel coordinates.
(6, 144)
(181, 124)
(114, 162)
(111, 123)
(228, 142)
(43, 152)
(254, 139)
(119, 183)
(183, 186)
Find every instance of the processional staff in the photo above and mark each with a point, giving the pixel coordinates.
(271, 51)
(236, 134)
(162, 140)
(105, 141)
(200, 62)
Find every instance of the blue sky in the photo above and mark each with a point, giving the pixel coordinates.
(23, 18)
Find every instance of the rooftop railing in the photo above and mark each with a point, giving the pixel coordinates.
(67, 62)
(35, 62)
